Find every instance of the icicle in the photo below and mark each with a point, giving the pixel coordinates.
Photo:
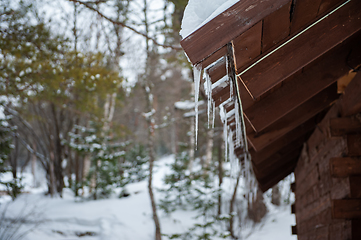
(239, 137)
(232, 157)
(208, 90)
(214, 113)
(197, 69)
(223, 114)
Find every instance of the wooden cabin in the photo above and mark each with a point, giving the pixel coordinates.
(297, 74)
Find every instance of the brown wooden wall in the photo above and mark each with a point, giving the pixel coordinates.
(328, 177)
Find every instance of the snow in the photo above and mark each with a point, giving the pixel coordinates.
(198, 12)
(128, 218)
(187, 105)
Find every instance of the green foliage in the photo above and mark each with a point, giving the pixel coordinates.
(13, 187)
(5, 143)
(134, 165)
(38, 65)
(111, 164)
(177, 193)
(196, 191)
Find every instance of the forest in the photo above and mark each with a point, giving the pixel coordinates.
(93, 94)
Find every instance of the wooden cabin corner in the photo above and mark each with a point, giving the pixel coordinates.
(298, 73)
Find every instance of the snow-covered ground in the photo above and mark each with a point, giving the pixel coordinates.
(128, 218)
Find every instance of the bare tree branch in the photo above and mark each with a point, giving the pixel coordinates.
(87, 5)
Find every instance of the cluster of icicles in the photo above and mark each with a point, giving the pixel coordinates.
(237, 113)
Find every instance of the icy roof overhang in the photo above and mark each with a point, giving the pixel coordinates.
(288, 57)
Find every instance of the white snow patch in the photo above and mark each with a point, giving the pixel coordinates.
(199, 12)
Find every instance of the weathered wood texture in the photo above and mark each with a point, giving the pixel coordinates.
(328, 189)
(304, 49)
(295, 118)
(215, 34)
(345, 167)
(247, 46)
(305, 11)
(276, 27)
(321, 74)
(346, 208)
(354, 145)
(344, 126)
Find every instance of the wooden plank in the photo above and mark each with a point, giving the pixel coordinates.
(355, 186)
(247, 46)
(294, 230)
(351, 100)
(276, 27)
(354, 145)
(302, 87)
(295, 136)
(327, 5)
(304, 49)
(344, 167)
(276, 161)
(305, 11)
(271, 180)
(214, 57)
(346, 208)
(293, 208)
(344, 126)
(226, 26)
(295, 118)
(262, 156)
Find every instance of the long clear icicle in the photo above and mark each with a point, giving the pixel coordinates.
(208, 90)
(197, 70)
(214, 113)
(232, 156)
(223, 114)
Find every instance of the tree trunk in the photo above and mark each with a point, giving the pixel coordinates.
(256, 207)
(33, 165)
(220, 177)
(276, 195)
(158, 235)
(231, 206)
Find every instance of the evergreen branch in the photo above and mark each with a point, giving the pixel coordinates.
(86, 4)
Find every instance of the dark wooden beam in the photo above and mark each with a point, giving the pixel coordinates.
(304, 12)
(276, 161)
(282, 172)
(294, 230)
(354, 145)
(345, 167)
(226, 26)
(304, 49)
(344, 126)
(351, 100)
(355, 186)
(294, 92)
(214, 57)
(293, 208)
(295, 118)
(346, 208)
(295, 137)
